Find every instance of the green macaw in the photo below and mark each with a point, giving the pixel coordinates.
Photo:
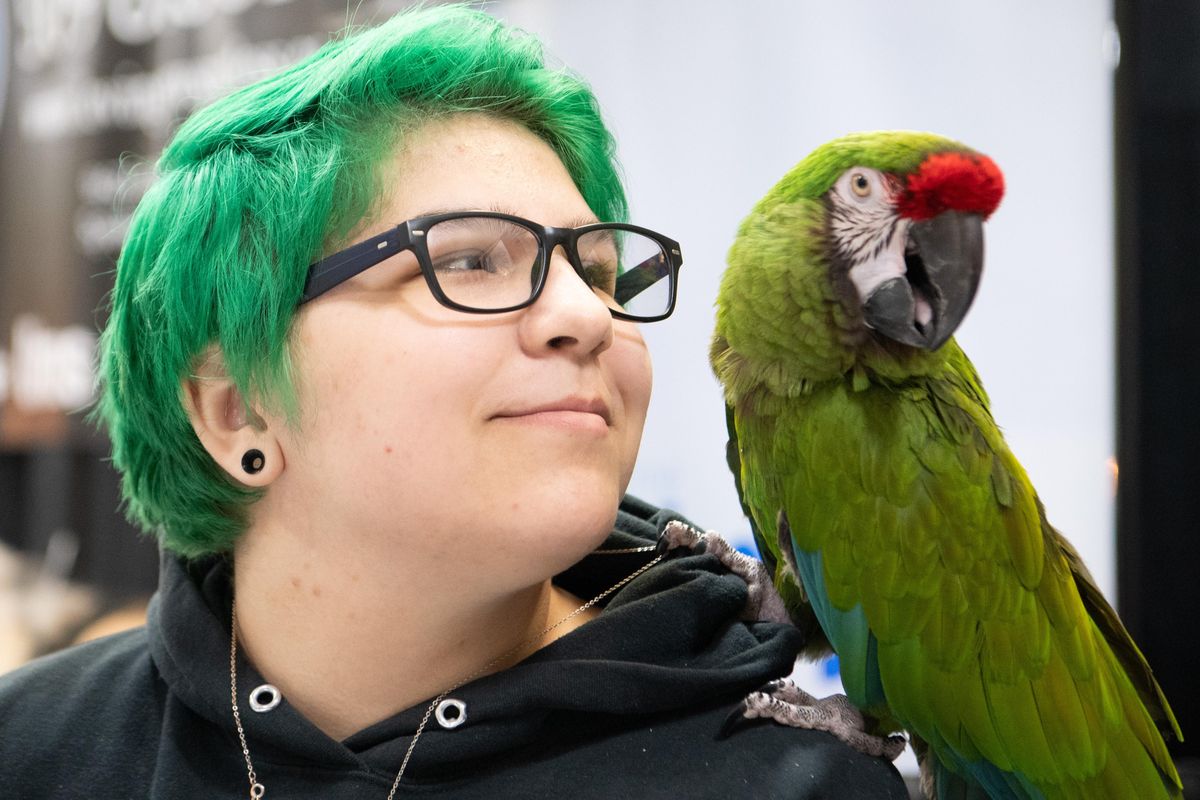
(884, 498)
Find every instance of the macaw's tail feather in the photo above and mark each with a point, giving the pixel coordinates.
(940, 783)
(954, 787)
(1130, 771)
(973, 780)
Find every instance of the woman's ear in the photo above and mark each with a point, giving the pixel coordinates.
(233, 434)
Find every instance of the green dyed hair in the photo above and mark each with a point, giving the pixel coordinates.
(255, 187)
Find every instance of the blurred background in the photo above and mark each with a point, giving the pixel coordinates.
(1083, 330)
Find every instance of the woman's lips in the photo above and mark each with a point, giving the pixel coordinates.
(570, 413)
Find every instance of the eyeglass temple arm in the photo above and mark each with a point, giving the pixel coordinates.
(345, 264)
(635, 280)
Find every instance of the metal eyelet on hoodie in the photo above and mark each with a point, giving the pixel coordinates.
(264, 698)
(451, 713)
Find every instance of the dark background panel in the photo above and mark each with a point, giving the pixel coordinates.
(1158, 365)
(45, 490)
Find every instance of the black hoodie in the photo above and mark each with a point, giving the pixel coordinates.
(629, 705)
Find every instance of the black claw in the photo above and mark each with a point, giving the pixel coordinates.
(734, 721)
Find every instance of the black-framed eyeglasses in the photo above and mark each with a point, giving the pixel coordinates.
(485, 262)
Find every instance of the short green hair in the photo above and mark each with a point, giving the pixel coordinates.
(255, 187)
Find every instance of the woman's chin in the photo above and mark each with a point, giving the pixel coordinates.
(564, 528)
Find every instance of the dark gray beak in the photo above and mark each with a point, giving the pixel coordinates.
(945, 262)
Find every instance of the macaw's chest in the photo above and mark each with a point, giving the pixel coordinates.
(890, 486)
(817, 452)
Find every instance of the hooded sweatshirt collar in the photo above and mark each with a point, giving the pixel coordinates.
(670, 639)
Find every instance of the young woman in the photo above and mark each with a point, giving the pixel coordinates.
(374, 377)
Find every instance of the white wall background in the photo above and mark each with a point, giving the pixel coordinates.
(713, 102)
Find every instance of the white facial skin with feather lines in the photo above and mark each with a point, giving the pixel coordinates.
(870, 235)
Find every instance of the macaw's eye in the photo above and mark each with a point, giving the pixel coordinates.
(860, 185)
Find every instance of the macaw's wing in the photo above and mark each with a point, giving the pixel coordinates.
(909, 512)
(769, 550)
(1118, 638)
(733, 458)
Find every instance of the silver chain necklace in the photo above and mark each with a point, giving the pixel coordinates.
(257, 790)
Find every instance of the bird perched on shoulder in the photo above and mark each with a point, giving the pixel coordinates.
(900, 528)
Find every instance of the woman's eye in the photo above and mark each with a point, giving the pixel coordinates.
(502, 258)
(466, 261)
(601, 275)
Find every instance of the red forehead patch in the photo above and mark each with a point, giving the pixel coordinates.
(952, 182)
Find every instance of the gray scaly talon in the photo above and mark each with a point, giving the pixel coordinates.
(788, 704)
(764, 603)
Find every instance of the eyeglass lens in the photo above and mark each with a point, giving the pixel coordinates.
(487, 263)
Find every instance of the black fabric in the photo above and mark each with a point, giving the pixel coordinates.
(628, 705)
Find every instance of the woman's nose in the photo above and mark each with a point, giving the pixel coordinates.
(568, 315)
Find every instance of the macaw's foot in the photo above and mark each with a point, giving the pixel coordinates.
(763, 603)
(788, 704)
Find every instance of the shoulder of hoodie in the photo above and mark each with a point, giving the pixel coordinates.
(685, 755)
(98, 703)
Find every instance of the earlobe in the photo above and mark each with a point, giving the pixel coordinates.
(233, 434)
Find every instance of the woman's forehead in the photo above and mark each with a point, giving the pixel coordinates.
(484, 163)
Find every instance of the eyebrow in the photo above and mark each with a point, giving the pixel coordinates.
(498, 208)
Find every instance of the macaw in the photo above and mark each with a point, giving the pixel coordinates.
(900, 528)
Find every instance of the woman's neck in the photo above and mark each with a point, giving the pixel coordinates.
(351, 639)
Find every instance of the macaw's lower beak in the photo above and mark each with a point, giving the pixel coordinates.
(944, 262)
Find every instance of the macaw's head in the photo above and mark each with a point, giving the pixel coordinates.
(904, 225)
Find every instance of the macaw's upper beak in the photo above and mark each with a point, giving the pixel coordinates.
(944, 261)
